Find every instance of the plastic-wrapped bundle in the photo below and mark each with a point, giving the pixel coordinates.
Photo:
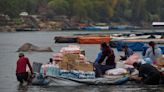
(117, 71)
(51, 70)
(82, 58)
(133, 58)
(43, 69)
(82, 75)
(64, 73)
(69, 74)
(86, 75)
(58, 57)
(77, 74)
(74, 46)
(74, 50)
(90, 75)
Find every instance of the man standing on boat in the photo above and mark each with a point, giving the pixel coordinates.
(107, 55)
(21, 73)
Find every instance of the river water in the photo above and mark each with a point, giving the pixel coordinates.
(9, 44)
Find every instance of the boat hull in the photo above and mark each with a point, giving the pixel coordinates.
(93, 40)
(61, 81)
(65, 39)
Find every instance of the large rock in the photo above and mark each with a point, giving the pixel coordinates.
(30, 47)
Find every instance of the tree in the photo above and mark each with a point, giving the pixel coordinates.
(122, 11)
(60, 7)
(138, 10)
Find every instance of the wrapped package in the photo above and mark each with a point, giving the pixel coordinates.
(160, 61)
(74, 50)
(133, 58)
(74, 46)
(49, 69)
(77, 74)
(72, 59)
(58, 57)
(83, 59)
(117, 71)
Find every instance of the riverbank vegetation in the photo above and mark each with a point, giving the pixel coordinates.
(137, 12)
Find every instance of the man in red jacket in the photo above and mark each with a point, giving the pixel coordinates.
(21, 73)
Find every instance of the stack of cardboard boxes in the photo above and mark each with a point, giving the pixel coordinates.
(72, 62)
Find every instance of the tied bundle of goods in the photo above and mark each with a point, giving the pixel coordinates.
(160, 61)
(72, 63)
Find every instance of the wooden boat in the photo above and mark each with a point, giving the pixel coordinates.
(65, 39)
(95, 28)
(136, 37)
(93, 39)
(27, 29)
(158, 41)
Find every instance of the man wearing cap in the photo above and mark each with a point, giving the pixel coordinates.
(21, 73)
(147, 74)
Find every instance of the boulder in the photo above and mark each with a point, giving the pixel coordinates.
(30, 47)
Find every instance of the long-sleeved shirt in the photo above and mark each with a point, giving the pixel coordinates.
(107, 54)
(98, 57)
(149, 53)
(128, 53)
(21, 65)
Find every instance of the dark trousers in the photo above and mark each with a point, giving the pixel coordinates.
(152, 80)
(22, 77)
(100, 69)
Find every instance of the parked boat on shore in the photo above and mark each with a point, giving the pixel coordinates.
(88, 39)
(93, 39)
(26, 29)
(158, 41)
(95, 28)
(65, 39)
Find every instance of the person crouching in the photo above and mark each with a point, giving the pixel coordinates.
(148, 74)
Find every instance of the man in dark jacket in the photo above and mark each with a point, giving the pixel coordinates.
(147, 74)
(21, 73)
(107, 57)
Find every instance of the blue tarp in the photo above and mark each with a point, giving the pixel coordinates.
(135, 46)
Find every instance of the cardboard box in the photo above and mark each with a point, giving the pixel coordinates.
(84, 67)
(76, 66)
(70, 57)
(67, 65)
(71, 62)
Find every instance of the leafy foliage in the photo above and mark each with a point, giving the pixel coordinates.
(94, 10)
